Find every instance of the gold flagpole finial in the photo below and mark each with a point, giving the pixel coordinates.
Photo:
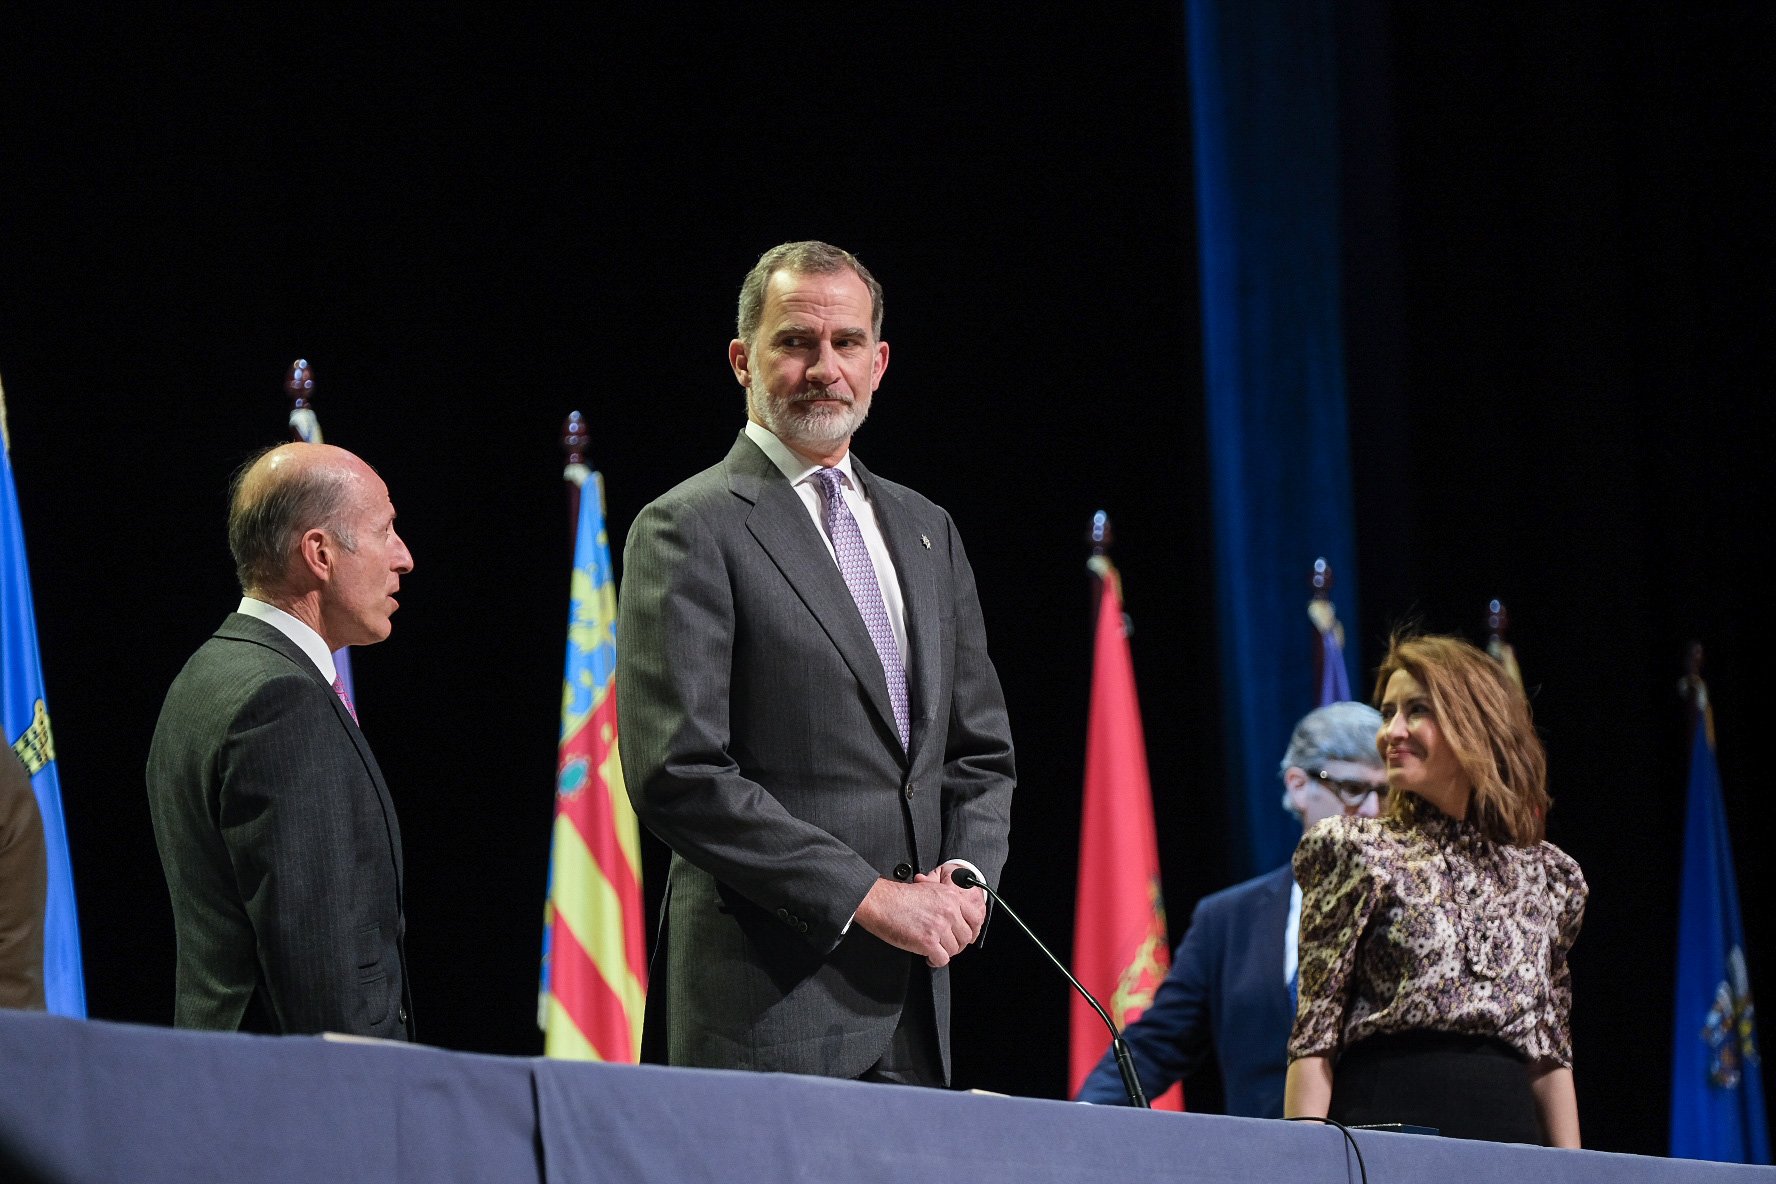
(1319, 605)
(299, 384)
(1101, 537)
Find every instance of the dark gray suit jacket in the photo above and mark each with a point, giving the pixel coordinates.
(758, 742)
(280, 844)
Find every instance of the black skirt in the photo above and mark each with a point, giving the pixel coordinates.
(1465, 1087)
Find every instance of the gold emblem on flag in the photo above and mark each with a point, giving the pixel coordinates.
(1140, 979)
(1729, 1030)
(36, 748)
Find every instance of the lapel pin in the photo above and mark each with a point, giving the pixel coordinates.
(925, 541)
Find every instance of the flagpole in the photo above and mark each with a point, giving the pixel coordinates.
(1498, 624)
(1101, 537)
(1717, 1092)
(1331, 677)
(573, 445)
(593, 982)
(1695, 692)
(305, 428)
(1323, 615)
(1121, 951)
(574, 441)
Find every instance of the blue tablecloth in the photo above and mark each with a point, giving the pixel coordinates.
(91, 1102)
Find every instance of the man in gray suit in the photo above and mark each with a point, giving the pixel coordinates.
(809, 718)
(275, 828)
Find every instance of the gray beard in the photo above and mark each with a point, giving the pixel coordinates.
(802, 423)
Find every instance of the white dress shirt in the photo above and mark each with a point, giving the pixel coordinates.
(1292, 934)
(307, 639)
(800, 475)
(801, 478)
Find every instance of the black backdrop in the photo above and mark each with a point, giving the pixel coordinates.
(1557, 279)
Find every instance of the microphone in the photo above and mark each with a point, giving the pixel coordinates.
(963, 878)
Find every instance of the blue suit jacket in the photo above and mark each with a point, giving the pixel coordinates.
(1225, 991)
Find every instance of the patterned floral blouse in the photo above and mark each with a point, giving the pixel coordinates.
(1423, 922)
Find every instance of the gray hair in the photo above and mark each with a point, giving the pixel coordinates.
(1335, 732)
(804, 258)
(264, 522)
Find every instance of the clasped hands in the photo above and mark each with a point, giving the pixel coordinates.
(928, 915)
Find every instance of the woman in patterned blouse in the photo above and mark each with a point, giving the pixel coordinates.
(1434, 983)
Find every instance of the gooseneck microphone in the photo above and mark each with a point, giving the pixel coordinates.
(963, 878)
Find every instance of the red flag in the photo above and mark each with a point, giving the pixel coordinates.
(1120, 950)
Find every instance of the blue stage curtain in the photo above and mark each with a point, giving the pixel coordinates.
(1264, 111)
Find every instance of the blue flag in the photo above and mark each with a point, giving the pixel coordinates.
(1717, 1089)
(24, 722)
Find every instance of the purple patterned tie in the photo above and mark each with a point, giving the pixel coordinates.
(860, 577)
(339, 689)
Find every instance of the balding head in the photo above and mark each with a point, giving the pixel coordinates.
(313, 533)
(278, 496)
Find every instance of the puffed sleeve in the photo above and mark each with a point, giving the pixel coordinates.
(1567, 888)
(1338, 894)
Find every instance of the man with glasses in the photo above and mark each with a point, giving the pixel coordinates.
(1232, 983)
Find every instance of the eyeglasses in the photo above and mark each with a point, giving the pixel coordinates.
(1351, 793)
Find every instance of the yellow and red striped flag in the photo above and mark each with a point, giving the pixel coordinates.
(594, 980)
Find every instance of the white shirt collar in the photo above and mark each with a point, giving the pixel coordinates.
(307, 639)
(1292, 934)
(793, 466)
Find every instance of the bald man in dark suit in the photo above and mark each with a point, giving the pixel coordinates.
(276, 830)
(808, 715)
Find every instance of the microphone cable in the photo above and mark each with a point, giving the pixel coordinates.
(1362, 1169)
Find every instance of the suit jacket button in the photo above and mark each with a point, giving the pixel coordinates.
(803, 927)
(909, 793)
(903, 871)
(783, 914)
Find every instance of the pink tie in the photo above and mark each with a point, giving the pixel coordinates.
(339, 689)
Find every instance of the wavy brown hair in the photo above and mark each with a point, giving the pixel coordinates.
(1485, 719)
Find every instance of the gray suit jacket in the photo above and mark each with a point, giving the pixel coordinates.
(280, 844)
(759, 744)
